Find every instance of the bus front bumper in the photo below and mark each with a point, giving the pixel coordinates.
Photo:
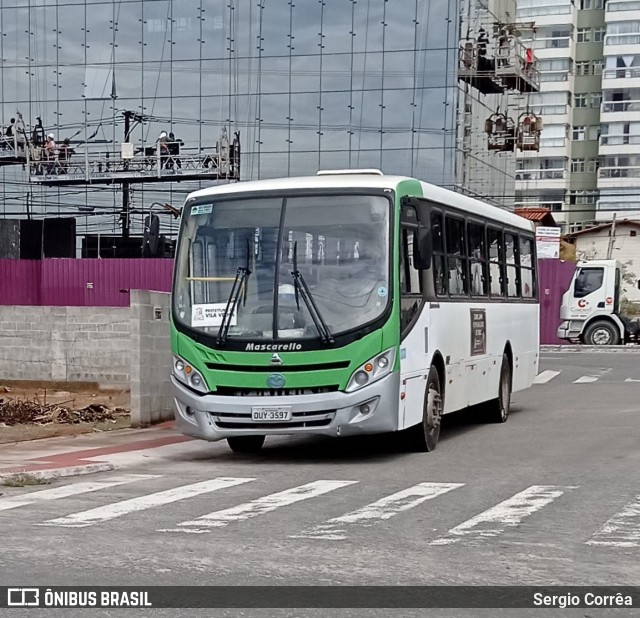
(372, 409)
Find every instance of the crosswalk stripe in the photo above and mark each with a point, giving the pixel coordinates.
(586, 379)
(385, 508)
(73, 489)
(508, 513)
(260, 506)
(622, 530)
(545, 376)
(141, 503)
(593, 377)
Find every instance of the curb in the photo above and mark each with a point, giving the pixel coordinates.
(55, 473)
(633, 348)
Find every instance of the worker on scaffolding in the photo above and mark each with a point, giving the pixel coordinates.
(37, 135)
(503, 48)
(50, 154)
(482, 42)
(174, 151)
(163, 149)
(21, 134)
(9, 135)
(37, 144)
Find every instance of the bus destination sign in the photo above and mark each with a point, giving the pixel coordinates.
(478, 332)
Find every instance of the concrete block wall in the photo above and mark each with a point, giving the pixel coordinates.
(65, 344)
(626, 249)
(150, 359)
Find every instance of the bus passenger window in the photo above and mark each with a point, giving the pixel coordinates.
(457, 262)
(410, 282)
(411, 297)
(478, 259)
(439, 271)
(527, 271)
(496, 262)
(513, 266)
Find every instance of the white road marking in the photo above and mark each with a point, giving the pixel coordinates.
(141, 503)
(73, 489)
(592, 377)
(260, 506)
(545, 376)
(631, 380)
(509, 513)
(385, 508)
(622, 530)
(586, 379)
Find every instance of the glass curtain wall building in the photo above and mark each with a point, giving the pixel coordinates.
(310, 84)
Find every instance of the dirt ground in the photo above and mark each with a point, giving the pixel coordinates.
(72, 396)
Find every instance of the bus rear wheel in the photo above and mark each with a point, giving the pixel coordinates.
(498, 409)
(245, 444)
(424, 437)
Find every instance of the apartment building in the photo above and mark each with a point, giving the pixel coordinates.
(563, 174)
(619, 176)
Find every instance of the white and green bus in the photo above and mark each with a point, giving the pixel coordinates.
(348, 303)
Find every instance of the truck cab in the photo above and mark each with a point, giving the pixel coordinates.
(590, 310)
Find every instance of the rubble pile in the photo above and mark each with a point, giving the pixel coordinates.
(32, 411)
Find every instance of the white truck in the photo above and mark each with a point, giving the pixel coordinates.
(590, 310)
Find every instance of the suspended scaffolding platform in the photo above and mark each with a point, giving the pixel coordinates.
(93, 165)
(516, 66)
(477, 70)
(512, 67)
(12, 152)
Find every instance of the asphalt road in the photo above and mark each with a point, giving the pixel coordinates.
(552, 497)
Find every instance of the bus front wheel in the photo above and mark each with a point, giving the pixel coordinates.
(425, 436)
(245, 444)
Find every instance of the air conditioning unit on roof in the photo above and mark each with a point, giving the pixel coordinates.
(346, 172)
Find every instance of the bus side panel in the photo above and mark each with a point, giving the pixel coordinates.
(472, 337)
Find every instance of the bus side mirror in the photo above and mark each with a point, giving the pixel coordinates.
(422, 249)
(639, 284)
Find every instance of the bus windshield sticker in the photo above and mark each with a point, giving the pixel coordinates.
(478, 332)
(203, 209)
(211, 315)
(403, 353)
(382, 291)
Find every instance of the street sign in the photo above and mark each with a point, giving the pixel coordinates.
(548, 242)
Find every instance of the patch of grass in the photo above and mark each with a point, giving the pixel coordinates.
(24, 480)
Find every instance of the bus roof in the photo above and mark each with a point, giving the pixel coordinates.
(351, 180)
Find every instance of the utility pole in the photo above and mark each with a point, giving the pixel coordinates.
(126, 191)
(612, 237)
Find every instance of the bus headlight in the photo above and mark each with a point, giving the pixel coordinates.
(375, 369)
(185, 373)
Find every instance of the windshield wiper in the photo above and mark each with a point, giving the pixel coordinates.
(302, 289)
(242, 276)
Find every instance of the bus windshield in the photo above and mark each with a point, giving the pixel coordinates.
(299, 265)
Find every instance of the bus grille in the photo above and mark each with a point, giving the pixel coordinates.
(232, 391)
(271, 368)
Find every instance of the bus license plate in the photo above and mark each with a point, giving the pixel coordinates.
(270, 414)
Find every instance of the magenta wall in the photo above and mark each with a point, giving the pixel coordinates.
(80, 283)
(554, 277)
(64, 282)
